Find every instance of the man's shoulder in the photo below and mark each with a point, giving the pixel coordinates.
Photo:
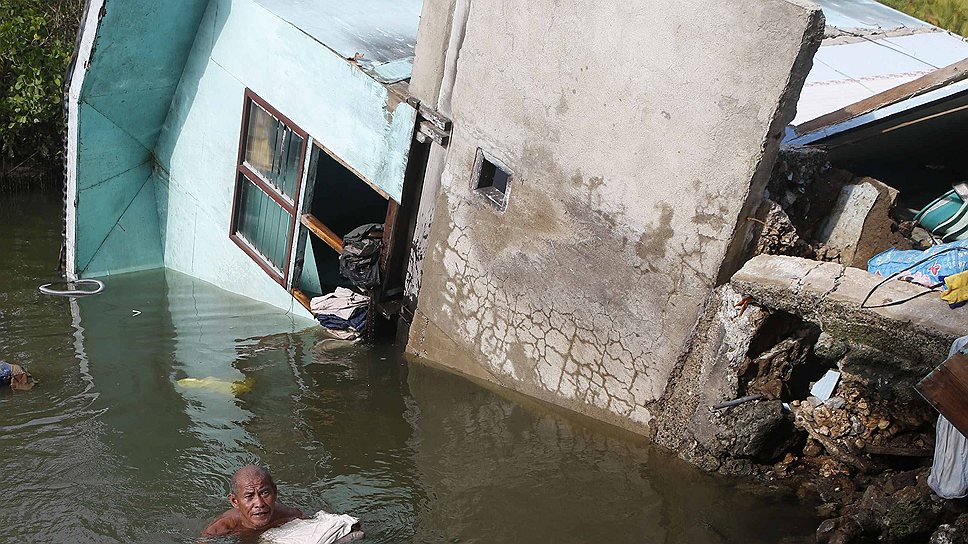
(225, 524)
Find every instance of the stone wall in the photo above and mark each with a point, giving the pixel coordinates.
(639, 143)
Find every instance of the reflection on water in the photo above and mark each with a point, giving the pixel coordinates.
(155, 391)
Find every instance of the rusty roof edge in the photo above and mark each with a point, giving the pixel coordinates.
(941, 77)
(844, 36)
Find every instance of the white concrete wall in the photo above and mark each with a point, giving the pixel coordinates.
(638, 133)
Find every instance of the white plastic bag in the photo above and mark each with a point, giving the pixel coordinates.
(949, 471)
(323, 528)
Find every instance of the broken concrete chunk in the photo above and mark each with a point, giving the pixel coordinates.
(777, 235)
(906, 340)
(844, 227)
(860, 225)
(805, 185)
(756, 430)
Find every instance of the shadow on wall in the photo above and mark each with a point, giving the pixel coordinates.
(187, 98)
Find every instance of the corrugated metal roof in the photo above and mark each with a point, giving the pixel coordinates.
(847, 73)
(866, 15)
(382, 31)
(872, 48)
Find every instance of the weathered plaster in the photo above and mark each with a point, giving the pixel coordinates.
(629, 180)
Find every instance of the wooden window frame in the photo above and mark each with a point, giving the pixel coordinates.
(280, 277)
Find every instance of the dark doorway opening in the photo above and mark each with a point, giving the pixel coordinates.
(337, 201)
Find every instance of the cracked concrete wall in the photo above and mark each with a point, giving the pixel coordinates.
(636, 143)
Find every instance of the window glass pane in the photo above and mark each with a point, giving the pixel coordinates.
(263, 223)
(273, 150)
(290, 167)
(260, 140)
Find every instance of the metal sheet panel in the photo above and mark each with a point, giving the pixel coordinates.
(378, 32)
(865, 14)
(847, 73)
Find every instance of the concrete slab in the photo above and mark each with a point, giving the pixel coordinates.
(914, 335)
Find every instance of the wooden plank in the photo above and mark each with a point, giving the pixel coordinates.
(928, 82)
(946, 388)
(898, 451)
(429, 130)
(302, 298)
(322, 232)
(435, 118)
(388, 224)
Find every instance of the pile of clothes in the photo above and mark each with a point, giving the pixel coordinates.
(343, 312)
(360, 260)
(15, 377)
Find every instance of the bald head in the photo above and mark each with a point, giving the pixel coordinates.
(250, 473)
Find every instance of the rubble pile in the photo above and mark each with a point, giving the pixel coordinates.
(816, 211)
(856, 427)
(863, 455)
(799, 382)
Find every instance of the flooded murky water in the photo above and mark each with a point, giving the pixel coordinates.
(155, 391)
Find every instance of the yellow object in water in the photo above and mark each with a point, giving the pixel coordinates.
(220, 386)
(957, 288)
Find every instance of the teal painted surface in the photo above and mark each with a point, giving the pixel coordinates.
(161, 110)
(309, 280)
(393, 71)
(195, 184)
(105, 151)
(139, 52)
(334, 101)
(134, 243)
(240, 44)
(381, 32)
(100, 208)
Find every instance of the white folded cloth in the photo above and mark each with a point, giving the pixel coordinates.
(342, 303)
(323, 528)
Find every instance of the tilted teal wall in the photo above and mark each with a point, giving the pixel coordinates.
(159, 124)
(240, 44)
(139, 52)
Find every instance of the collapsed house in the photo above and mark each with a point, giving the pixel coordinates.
(565, 194)
(555, 226)
(238, 141)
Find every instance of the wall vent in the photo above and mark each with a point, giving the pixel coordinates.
(492, 179)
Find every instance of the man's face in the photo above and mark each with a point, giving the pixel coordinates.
(254, 499)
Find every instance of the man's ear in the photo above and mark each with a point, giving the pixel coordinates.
(234, 500)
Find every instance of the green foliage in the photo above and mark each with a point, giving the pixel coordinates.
(948, 14)
(36, 43)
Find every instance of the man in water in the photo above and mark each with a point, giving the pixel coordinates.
(254, 507)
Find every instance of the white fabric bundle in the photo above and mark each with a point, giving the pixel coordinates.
(342, 303)
(323, 528)
(949, 472)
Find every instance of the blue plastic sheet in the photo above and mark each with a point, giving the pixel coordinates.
(928, 268)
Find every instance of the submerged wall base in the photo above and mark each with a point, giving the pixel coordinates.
(630, 184)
